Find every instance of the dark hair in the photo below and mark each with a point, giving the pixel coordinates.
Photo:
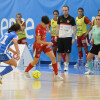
(45, 19)
(19, 14)
(56, 11)
(81, 9)
(98, 10)
(66, 6)
(14, 27)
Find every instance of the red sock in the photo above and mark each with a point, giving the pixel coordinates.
(29, 68)
(54, 53)
(80, 54)
(63, 56)
(86, 54)
(93, 58)
(55, 67)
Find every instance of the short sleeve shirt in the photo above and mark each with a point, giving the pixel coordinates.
(66, 26)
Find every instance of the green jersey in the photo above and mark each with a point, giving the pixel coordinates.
(96, 34)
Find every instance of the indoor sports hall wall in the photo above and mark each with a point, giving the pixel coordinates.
(32, 10)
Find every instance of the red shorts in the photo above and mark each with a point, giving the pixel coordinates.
(82, 41)
(22, 41)
(53, 41)
(37, 50)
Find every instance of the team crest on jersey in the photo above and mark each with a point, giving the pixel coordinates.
(38, 55)
(52, 22)
(81, 20)
(68, 21)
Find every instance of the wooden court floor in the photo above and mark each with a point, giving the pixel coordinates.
(74, 87)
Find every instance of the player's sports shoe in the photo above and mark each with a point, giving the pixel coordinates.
(75, 66)
(0, 79)
(66, 68)
(58, 77)
(89, 73)
(50, 64)
(27, 74)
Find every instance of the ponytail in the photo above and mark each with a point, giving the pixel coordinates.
(14, 27)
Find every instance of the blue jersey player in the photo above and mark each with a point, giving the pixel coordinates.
(6, 41)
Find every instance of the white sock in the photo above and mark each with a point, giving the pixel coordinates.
(58, 64)
(66, 64)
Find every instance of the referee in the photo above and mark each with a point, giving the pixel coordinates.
(66, 26)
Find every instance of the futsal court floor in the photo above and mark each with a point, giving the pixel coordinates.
(76, 85)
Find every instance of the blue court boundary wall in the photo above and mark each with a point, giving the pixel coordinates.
(32, 10)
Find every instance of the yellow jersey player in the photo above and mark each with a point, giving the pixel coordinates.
(82, 33)
(53, 25)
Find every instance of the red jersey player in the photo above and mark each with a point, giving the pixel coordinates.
(40, 45)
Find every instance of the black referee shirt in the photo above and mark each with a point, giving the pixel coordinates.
(69, 20)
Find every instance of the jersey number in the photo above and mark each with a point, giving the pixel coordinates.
(3, 42)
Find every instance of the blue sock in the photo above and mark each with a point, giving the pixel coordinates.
(6, 70)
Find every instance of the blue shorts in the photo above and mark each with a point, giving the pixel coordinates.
(5, 57)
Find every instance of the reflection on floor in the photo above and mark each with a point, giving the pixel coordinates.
(76, 85)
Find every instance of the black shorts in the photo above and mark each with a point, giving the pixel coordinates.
(95, 49)
(64, 45)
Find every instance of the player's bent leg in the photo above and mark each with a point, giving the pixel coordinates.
(54, 64)
(9, 68)
(30, 66)
(89, 62)
(12, 62)
(51, 56)
(54, 48)
(86, 52)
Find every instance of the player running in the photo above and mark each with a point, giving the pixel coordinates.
(40, 45)
(6, 41)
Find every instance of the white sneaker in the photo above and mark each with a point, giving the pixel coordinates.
(58, 77)
(86, 65)
(0, 79)
(27, 74)
(76, 65)
(89, 73)
(50, 64)
(65, 68)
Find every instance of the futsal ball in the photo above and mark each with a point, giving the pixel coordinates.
(36, 74)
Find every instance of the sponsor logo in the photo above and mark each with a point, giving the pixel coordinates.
(68, 21)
